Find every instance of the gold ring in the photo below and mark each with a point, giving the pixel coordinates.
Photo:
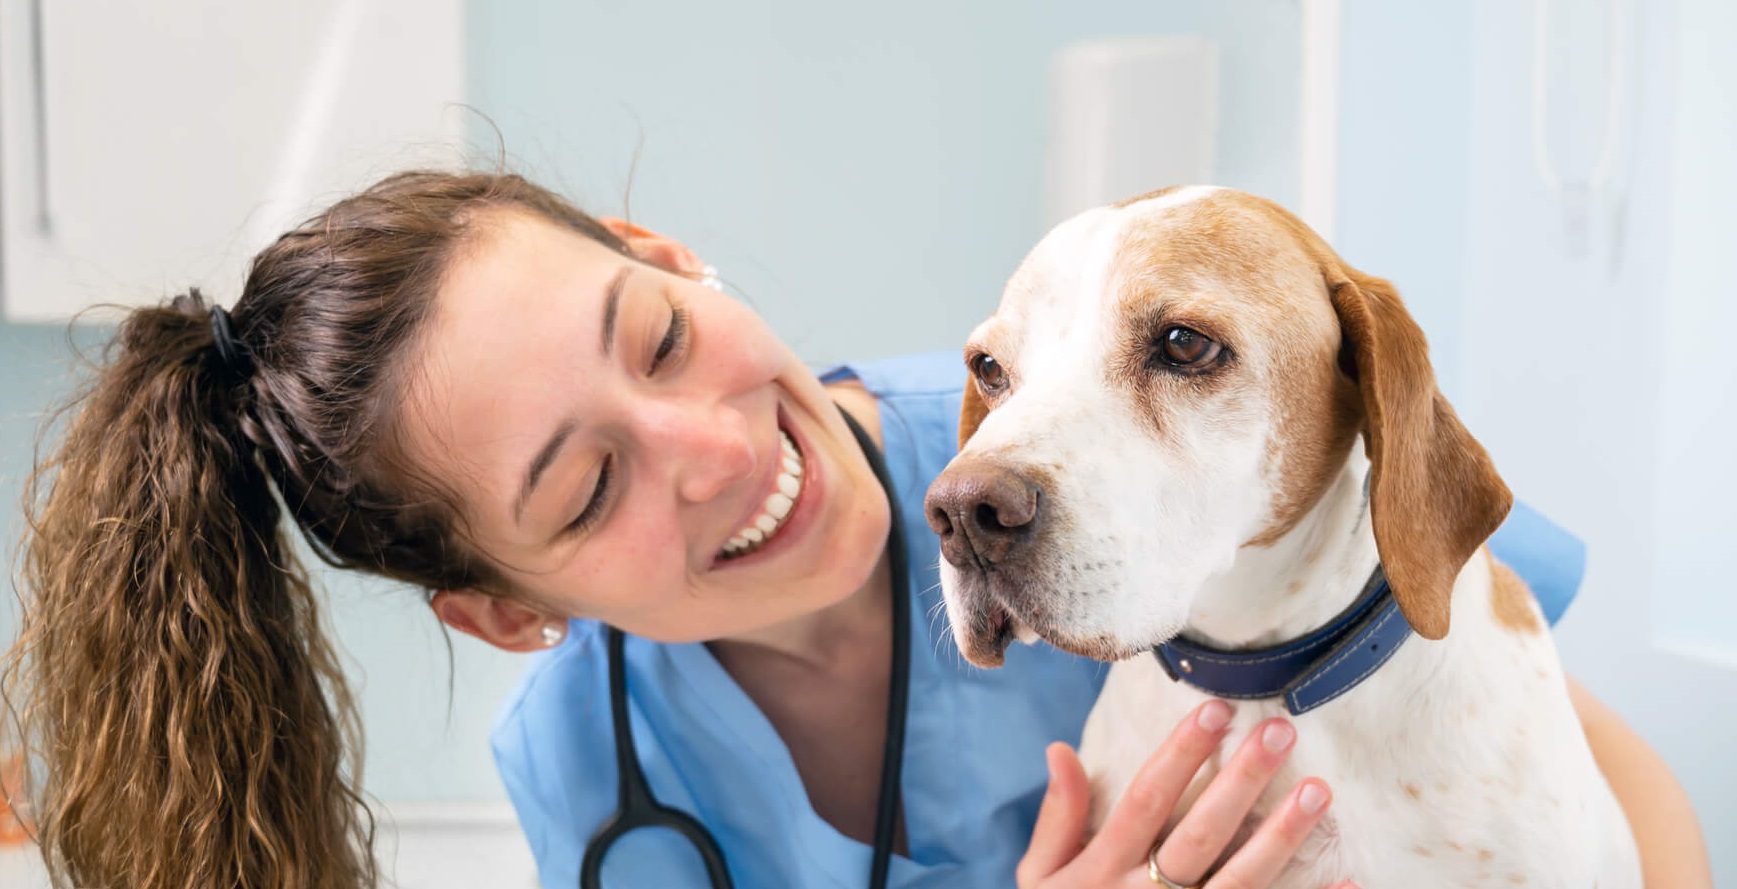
(1157, 876)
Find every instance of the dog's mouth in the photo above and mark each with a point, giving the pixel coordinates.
(988, 632)
(992, 626)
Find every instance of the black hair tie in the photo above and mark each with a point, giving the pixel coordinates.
(230, 349)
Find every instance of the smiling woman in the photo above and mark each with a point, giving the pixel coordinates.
(655, 415)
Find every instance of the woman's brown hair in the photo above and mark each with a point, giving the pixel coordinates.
(187, 721)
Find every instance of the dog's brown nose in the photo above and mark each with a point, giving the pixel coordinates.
(981, 511)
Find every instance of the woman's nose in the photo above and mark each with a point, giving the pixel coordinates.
(710, 448)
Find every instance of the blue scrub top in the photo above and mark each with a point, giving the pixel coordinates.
(974, 768)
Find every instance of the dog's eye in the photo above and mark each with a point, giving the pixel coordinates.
(1187, 348)
(989, 373)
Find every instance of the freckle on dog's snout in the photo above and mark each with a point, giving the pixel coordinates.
(982, 513)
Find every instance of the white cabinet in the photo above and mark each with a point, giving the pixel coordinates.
(149, 145)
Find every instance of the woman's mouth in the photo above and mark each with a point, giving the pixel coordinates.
(776, 509)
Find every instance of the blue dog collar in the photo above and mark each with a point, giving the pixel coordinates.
(1307, 672)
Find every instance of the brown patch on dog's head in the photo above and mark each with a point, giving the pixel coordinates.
(1316, 420)
(971, 412)
(1245, 271)
(1238, 269)
(1512, 601)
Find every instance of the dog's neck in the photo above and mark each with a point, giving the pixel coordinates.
(1301, 581)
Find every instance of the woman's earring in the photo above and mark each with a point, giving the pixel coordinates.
(709, 278)
(552, 635)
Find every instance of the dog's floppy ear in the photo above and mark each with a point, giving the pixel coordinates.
(1434, 495)
(971, 412)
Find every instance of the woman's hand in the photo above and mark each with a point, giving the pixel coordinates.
(1120, 854)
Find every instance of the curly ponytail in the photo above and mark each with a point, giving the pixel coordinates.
(187, 721)
(179, 677)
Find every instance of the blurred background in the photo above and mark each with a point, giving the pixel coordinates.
(1549, 183)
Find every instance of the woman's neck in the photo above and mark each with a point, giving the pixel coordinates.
(841, 632)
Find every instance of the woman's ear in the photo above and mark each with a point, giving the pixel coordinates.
(504, 623)
(653, 248)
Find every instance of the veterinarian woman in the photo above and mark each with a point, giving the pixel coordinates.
(553, 425)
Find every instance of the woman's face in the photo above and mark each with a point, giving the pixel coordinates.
(621, 438)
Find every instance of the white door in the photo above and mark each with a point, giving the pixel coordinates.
(149, 146)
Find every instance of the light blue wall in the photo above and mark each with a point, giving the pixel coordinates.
(867, 174)
(1404, 137)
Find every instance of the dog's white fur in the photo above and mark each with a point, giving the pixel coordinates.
(1460, 762)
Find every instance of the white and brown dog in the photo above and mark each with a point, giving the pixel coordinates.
(1160, 447)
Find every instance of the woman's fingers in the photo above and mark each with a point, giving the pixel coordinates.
(1140, 814)
(1260, 860)
(1201, 837)
(1061, 819)
(1059, 856)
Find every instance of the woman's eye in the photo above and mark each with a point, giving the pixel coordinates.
(673, 338)
(990, 375)
(599, 499)
(1187, 348)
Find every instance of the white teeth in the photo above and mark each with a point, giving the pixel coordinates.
(777, 506)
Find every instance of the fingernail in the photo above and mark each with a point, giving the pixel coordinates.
(1312, 799)
(1278, 736)
(1214, 716)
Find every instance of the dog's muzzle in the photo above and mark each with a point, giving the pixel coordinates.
(984, 513)
(989, 517)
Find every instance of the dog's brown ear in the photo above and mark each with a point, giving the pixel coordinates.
(971, 412)
(1434, 495)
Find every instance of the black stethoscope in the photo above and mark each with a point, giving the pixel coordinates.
(638, 808)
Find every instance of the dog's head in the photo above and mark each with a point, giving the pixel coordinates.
(1166, 383)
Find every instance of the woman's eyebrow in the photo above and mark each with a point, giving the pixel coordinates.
(540, 464)
(546, 454)
(612, 306)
